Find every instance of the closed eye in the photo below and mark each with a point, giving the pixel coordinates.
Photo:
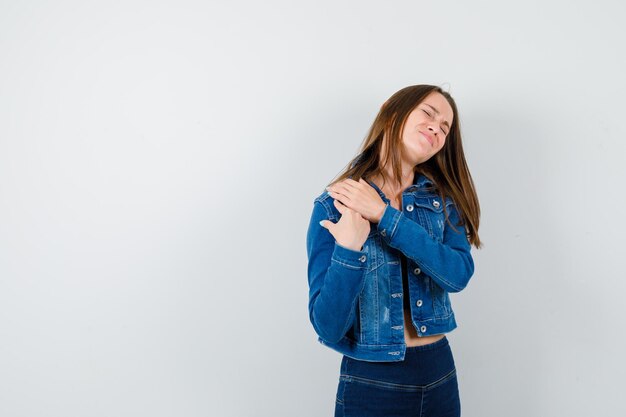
(429, 115)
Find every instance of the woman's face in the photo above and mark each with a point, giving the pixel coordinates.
(426, 128)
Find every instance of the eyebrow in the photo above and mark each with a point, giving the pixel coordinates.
(437, 111)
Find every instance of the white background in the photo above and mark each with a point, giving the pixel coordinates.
(158, 165)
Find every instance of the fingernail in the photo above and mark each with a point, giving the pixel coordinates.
(321, 223)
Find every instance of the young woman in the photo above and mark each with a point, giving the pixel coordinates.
(388, 240)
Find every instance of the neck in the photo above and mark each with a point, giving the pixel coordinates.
(390, 188)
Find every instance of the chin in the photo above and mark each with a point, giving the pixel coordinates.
(419, 153)
(418, 158)
(422, 159)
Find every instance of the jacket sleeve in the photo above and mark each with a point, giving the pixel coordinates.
(336, 277)
(449, 263)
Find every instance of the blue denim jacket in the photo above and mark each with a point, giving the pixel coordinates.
(355, 297)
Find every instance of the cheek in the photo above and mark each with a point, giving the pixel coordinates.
(441, 145)
(415, 143)
(408, 138)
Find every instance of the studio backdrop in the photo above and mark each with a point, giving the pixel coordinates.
(158, 165)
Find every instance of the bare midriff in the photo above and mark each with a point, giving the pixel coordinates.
(411, 338)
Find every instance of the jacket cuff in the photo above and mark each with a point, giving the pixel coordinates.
(389, 222)
(349, 258)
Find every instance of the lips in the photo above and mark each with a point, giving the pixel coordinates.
(428, 138)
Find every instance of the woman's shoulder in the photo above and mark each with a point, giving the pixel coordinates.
(323, 196)
(327, 202)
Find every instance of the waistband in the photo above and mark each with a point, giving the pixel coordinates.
(422, 365)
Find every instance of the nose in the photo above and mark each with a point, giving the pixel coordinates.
(432, 130)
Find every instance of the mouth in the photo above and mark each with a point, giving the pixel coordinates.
(428, 138)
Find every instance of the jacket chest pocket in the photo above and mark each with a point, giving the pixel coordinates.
(428, 211)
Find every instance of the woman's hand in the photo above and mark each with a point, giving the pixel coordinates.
(360, 197)
(351, 230)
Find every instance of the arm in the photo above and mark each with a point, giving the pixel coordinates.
(449, 263)
(336, 277)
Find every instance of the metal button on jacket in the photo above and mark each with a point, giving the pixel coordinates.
(419, 303)
(363, 258)
(436, 204)
(409, 207)
(417, 271)
(423, 329)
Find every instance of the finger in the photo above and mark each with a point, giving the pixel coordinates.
(326, 224)
(345, 207)
(363, 182)
(342, 209)
(340, 196)
(352, 183)
(348, 185)
(342, 188)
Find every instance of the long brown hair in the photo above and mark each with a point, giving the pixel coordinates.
(447, 168)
